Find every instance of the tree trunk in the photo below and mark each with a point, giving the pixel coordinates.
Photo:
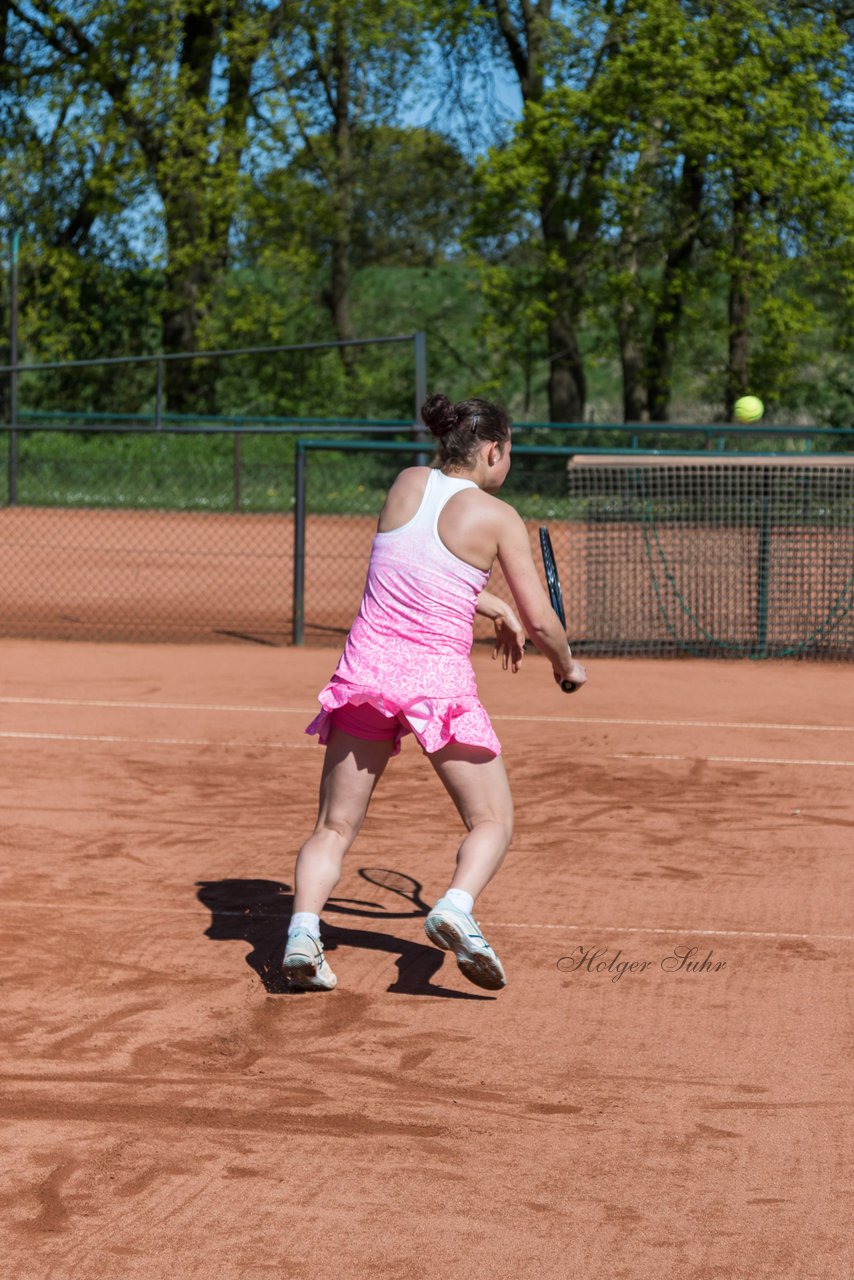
(632, 361)
(4, 28)
(671, 302)
(342, 193)
(526, 44)
(190, 384)
(738, 373)
(199, 198)
(191, 281)
(567, 385)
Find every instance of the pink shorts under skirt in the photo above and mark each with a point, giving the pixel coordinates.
(374, 717)
(364, 721)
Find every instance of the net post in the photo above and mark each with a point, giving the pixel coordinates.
(158, 397)
(299, 545)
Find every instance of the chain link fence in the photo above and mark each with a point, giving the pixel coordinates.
(183, 533)
(210, 533)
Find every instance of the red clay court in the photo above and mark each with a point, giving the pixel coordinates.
(173, 1111)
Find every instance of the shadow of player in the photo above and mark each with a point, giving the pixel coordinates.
(258, 911)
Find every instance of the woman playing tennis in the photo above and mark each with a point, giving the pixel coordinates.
(406, 668)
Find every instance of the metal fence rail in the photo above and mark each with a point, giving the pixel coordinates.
(12, 373)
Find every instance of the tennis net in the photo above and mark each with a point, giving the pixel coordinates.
(741, 557)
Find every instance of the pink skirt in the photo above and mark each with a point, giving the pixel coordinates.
(434, 721)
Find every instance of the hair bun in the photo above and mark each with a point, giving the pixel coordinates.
(439, 415)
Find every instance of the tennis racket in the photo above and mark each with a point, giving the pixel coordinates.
(555, 593)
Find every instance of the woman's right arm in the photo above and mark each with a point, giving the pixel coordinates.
(538, 617)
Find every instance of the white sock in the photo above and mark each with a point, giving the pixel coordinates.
(461, 900)
(305, 920)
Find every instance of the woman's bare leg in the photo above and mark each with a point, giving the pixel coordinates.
(352, 768)
(477, 783)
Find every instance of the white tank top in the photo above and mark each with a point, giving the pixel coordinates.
(419, 597)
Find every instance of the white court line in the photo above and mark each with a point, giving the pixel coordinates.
(153, 706)
(671, 932)
(682, 724)
(637, 755)
(307, 746)
(582, 720)
(677, 931)
(158, 742)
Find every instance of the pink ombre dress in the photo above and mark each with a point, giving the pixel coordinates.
(407, 653)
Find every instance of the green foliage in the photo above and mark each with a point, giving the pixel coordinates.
(142, 97)
(246, 174)
(593, 184)
(411, 196)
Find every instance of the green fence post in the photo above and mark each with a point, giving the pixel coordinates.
(299, 544)
(237, 460)
(158, 397)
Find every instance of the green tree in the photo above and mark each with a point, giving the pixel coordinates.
(336, 81)
(65, 187)
(549, 183)
(734, 165)
(282, 261)
(655, 185)
(781, 188)
(652, 132)
(175, 81)
(411, 190)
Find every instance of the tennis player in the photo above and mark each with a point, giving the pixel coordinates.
(406, 668)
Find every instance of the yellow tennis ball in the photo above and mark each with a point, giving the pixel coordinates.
(749, 409)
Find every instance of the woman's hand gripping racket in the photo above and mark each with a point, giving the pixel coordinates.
(555, 594)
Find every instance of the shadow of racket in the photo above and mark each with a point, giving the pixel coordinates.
(396, 882)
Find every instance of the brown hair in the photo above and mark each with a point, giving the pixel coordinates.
(460, 428)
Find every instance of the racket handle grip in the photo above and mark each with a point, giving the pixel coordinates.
(568, 686)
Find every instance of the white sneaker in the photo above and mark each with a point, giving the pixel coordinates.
(452, 930)
(305, 964)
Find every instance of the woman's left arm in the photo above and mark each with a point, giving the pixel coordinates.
(509, 635)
